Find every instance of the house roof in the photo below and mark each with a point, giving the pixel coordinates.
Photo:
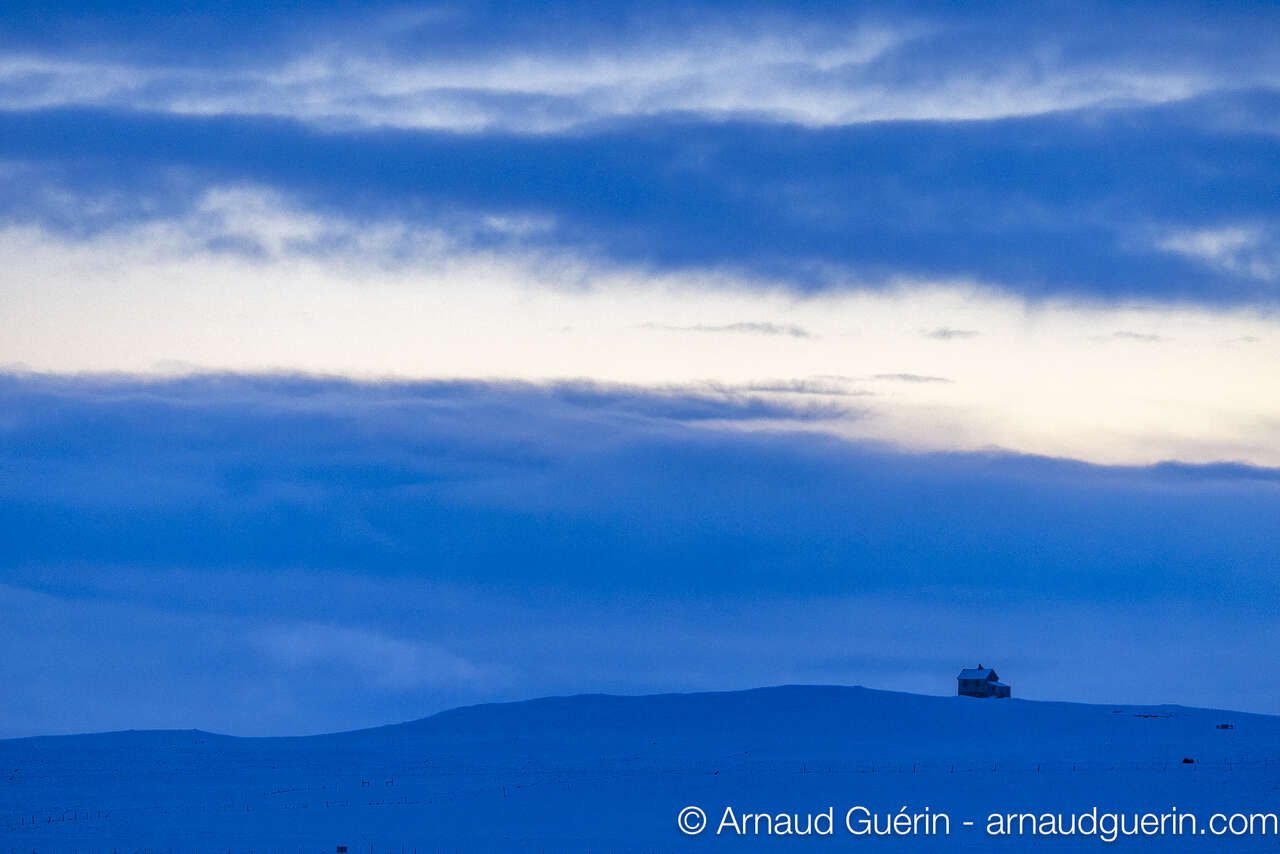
(977, 673)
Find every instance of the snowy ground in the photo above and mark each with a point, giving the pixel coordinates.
(601, 773)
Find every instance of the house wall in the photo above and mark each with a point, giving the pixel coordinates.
(980, 688)
(974, 688)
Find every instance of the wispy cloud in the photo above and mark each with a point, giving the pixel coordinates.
(751, 328)
(946, 333)
(815, 386)
(1128, 335)
(911, 378)
(705, 402)
(1252, 251)
(354, 657)
(466, 71)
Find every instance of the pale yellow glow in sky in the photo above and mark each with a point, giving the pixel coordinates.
(1104, 383)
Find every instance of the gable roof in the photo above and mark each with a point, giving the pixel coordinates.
(978, 673)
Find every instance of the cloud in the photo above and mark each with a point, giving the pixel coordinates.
(349, 657)
(860, 207)
(1127, 335)
(709, 402)
(1223, 471)
(911, 378)
(472, 69)
(424, 303)
(528, 485)
(430, 544)
(755, 328)
(1250, 251)
(945, 333)
(824, 386)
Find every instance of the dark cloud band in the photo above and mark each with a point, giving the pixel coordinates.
(1078, 205)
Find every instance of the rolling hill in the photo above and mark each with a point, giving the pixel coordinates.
(608, 773)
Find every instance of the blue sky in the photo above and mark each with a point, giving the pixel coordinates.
(462, 352)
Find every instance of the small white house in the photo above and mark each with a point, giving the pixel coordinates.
(980, 682)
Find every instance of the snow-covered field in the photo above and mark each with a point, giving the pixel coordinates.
(604, 773)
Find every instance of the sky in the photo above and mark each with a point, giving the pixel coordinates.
(358, 361)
